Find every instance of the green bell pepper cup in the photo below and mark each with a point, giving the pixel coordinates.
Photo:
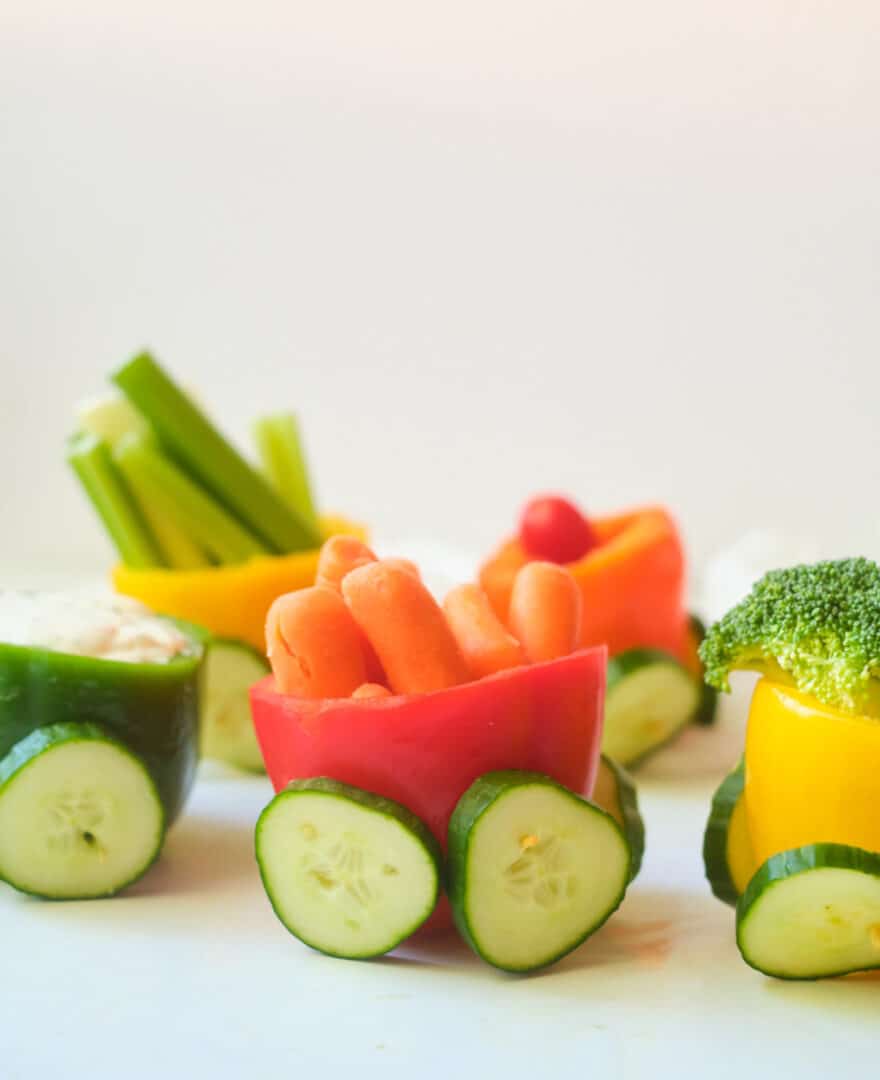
(152, 708)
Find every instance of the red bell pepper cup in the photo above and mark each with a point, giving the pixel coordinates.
(426, 750)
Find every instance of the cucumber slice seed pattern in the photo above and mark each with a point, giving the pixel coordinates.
(541, 874)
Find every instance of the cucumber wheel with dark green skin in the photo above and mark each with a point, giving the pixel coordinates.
(728, 859)
(650, 698)
(534, 869)
(707, 709)
(812, 913)
(80, 815)
(227, 727)
(151, 708)
(348, 872)
(615, 792)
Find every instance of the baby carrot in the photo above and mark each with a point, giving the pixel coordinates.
(405, 626)
(371, 690)
(545, 611)
(484, 641)
(404, 564)
(314, 644)
(339, 556)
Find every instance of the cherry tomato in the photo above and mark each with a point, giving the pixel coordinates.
(554, 529)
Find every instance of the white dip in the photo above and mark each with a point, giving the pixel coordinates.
(86, 623)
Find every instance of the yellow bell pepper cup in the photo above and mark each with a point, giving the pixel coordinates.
(812, 773)
(230, 601)
(740, 850)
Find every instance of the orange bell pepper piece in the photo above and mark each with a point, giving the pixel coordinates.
(632, 584)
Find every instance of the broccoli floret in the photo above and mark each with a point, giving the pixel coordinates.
(817, 627)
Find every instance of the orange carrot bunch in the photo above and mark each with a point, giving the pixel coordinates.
(369, 628)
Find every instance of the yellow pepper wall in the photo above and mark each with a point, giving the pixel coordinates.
(812, 773)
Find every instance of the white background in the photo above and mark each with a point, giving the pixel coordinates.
(625, 250)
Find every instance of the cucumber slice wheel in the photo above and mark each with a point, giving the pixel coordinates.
(80, 816)
(649, 699)
(227, 728)
(707, 709)
(349, 873)
(615, 793)
(728, 858)
(812, 912)
(533, 869)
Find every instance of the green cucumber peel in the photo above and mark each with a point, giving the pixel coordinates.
(472, 813)
(70, 838)
(715, 862)
(707, 710)
(350, 873)
(616, 793)
(823, 900)
(226, 725)
(650, 699)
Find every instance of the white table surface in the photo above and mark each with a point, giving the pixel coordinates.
(191, 975)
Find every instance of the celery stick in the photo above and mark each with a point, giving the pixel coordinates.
(111, 417)
(174, 494)
(179, 551)
(92, 463)
(284, 462)
(195, 443)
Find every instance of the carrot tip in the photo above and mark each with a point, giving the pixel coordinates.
(371, 690)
